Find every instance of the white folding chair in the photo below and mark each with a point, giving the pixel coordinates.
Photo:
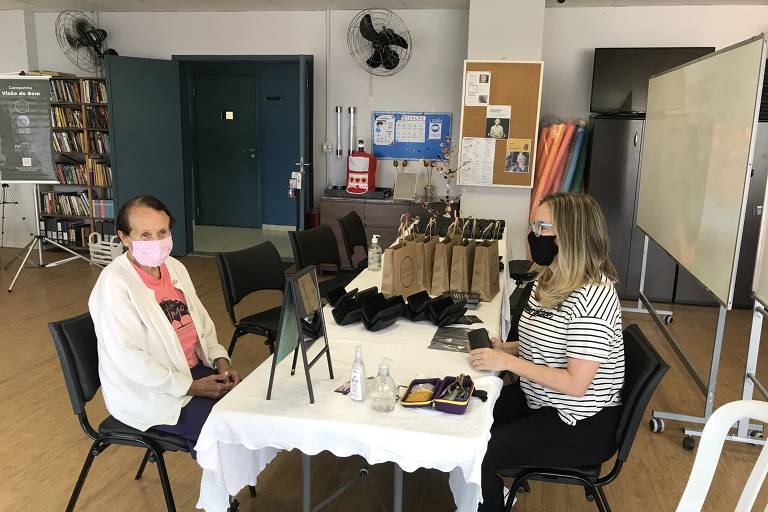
(708, 455)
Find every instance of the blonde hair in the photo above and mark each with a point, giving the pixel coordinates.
(582, 241)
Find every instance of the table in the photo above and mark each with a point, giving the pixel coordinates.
(245, 431)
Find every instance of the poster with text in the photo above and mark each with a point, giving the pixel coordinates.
(384, 130)
(476, 164)
(497, 121)
(478, 88)
(518, 156)
(25, 130)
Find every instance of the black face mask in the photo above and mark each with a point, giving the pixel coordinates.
(543, 249)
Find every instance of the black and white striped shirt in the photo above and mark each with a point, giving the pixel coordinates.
(587, 325)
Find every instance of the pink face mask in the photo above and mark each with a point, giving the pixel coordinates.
(151, 253)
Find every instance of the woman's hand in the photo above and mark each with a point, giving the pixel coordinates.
(489, 359)
(213, 386)
(223, 367)
(509, 347)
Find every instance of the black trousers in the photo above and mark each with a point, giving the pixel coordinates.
(521, 436)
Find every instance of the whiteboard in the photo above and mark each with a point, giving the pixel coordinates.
(760, 283)
(696, 159)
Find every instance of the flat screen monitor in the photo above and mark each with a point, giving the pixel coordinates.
(620, 75)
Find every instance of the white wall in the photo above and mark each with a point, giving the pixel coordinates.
(487, 20)
(14, 58)
(430, 82)
(571, 34)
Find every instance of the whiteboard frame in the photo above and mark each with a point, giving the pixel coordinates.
(745, 191)
(538, 120)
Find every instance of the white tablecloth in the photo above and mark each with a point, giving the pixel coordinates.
(245, 431)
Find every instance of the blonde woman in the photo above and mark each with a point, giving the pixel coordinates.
(564, 410)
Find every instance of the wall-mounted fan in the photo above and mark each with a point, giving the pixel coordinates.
(379, 41)
(81, 40)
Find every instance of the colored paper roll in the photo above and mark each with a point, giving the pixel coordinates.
(562, 154)
(570, 169)
(554, 140)
(578, 176)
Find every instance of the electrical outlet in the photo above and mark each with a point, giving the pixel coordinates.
(327, 147)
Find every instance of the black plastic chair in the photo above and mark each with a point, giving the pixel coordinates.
(76, 345)
(644, 369)
(353, 233)
(318, 246)
(244, 272)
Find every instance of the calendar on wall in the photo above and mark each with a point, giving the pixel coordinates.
(409, 135)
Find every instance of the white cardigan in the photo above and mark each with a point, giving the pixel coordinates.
(144, 373)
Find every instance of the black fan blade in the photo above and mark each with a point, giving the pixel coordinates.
(391, 58)
(96, 36)
(376, 59)
(389, 36)
(366, 28)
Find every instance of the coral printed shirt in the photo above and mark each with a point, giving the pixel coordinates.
(174, 305)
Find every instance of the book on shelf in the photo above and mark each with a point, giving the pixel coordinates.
(65, 203)
(68, 142)
(104, 208)
(69, 233)
(65, 91)
(98, 142)
(95, 91)
(72, 174)
(102, 175)
(66, 117)
(97, 117)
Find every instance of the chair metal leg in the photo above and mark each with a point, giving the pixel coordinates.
(167, 493)
(143, 465)
(601, 500)
(516, 485)
(232, 343)
(94, 450)
(252, 490)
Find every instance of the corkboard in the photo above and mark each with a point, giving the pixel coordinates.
(517, 85)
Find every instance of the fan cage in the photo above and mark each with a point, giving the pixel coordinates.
(84, 57)
(361, 49)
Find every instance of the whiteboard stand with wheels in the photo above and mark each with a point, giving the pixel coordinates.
(696, 163)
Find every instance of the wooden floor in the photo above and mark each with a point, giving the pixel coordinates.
(43, 448)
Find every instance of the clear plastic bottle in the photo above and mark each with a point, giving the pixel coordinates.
(357, 380)
(383, 393)
(374, 254)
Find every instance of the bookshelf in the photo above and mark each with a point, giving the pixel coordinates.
(82, 202)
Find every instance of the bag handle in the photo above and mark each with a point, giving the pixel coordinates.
(497, 232)
(412, 229)
(403, 226)
(430, 226)
(464, 227)
(474, 228)
(488, 230)
(453, 227)
(91, 236)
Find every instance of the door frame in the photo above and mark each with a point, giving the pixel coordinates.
(187, 65)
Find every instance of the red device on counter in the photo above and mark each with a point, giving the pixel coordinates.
(361, 172)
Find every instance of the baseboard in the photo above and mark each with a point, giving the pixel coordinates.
(277, 227)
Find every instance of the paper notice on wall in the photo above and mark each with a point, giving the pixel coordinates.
(435, 129)
(384, 130)
(411, 128)
(478, 88)
(476, 165)
(518, 156)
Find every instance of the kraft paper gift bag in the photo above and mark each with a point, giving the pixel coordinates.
(429, 245)
(485, 272)
(462, 263)
(402, 267)
(441, 268)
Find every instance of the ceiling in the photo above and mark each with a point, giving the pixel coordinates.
(293, 5)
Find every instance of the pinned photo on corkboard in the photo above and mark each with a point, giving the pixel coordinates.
(518, 156)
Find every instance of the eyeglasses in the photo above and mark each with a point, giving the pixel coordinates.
(537, 226)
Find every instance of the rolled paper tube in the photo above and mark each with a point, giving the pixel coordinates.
(570, 169)
(541, 153)
(562, 154)
(578, 177)
(554, 138)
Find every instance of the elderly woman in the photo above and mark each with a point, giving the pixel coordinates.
(160, 363)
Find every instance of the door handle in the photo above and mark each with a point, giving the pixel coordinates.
(635, 139)
(251, 151)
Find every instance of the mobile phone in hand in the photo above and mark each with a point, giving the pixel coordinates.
(478, 338)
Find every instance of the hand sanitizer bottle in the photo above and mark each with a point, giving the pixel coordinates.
(357, 381)
(383, 390)
(374, 254)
